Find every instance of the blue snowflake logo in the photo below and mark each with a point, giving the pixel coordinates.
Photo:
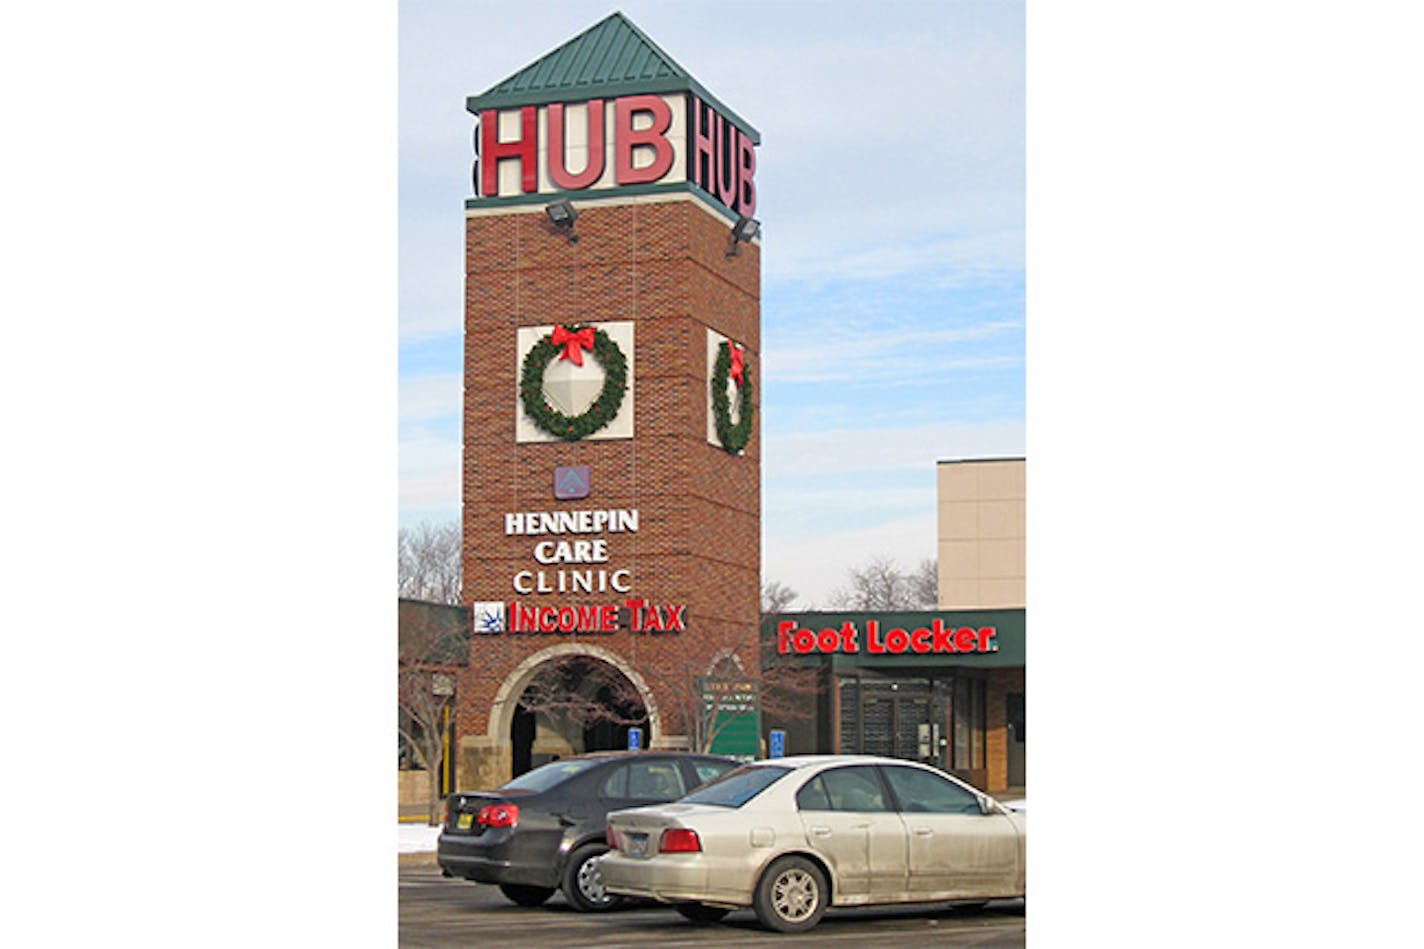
(489, 617)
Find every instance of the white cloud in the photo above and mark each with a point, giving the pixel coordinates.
(430, 397)
(430, 471)
(814, 565)
(911, 448)
(820, 531)
(871, 354)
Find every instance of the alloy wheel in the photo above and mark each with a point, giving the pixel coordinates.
(794, 895)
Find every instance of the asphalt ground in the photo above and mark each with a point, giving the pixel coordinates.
(436, 911)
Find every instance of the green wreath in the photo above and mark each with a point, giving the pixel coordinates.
(571, 428)
(734, 437)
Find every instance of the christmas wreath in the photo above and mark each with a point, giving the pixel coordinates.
(731, 363)
(569, 342)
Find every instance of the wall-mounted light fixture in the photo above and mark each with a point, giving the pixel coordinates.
(743, 231)
(562, 214)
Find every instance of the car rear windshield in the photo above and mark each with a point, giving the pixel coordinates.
(735, 788)
(547, 775)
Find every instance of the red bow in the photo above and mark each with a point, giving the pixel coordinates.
(737, 356)
(574, 343)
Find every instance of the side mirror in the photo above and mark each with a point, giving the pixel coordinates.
(988, 805)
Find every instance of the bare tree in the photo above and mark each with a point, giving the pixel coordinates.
(581, 691)
(776, 597)
(429, 562)
(877, 584)
(924, 585)
(433, 642)
(880, 585)
(783, 691)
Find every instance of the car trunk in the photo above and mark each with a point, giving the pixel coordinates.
(639, 829)
(465, 806)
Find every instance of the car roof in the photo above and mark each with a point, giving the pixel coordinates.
(807, 761)
(659, 753)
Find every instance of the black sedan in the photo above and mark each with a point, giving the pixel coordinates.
(543, 830)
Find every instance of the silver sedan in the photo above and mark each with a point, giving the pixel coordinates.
(792, 836)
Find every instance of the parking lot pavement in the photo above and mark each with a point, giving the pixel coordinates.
(439, 912)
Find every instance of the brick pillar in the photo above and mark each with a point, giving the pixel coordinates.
(663, 266)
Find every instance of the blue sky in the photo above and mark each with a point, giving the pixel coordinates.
(891, 191)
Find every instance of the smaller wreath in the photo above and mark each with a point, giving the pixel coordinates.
(571, 428)
(733, 437)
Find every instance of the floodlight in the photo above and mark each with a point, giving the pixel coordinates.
(562, 214)
(743, 231)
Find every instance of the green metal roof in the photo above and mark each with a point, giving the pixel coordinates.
(611, 58)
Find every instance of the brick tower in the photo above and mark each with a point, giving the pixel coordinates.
(612, 502)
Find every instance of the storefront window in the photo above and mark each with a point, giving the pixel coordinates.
(969, 738)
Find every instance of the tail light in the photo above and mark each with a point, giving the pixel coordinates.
(498, 815)
(679, 840)
(610, 837)
(445, 812)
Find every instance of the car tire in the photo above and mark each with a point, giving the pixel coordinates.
(583, 883)
(701, 913)
(791, 895)
(526, 895)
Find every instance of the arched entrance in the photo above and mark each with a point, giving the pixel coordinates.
(569, 699)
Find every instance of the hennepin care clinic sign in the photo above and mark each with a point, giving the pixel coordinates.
(575, 566)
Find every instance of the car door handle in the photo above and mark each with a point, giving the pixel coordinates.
(820, 832)
(924, 832)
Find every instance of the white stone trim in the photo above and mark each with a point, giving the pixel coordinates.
(501, 714)
(620, 426)
(579, 198)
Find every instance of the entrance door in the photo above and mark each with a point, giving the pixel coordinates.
(521, 736)
(1017, 758)
(894, 719)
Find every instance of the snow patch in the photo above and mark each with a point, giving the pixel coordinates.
(417, 837)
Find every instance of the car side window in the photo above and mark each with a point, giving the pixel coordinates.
(616, 784)
(855, 788)
(812, 796)
(924, 792)
(655, 781)
(707, 770)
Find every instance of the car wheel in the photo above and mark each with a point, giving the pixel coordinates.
(699, 913)
(791, 895)
(583, 880)
(526, 895)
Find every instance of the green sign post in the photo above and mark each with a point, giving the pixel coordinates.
(731, 714)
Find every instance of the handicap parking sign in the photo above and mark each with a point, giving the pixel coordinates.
(777, 743)
(635, 739)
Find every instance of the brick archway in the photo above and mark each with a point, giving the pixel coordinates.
(501, 714)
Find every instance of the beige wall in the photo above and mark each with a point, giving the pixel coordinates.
(981, 534)
(413, 788)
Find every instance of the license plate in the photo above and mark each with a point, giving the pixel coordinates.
(464, 821)
(637, 845)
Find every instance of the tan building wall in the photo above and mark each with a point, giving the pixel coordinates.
(412, 791)
(981, 534)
